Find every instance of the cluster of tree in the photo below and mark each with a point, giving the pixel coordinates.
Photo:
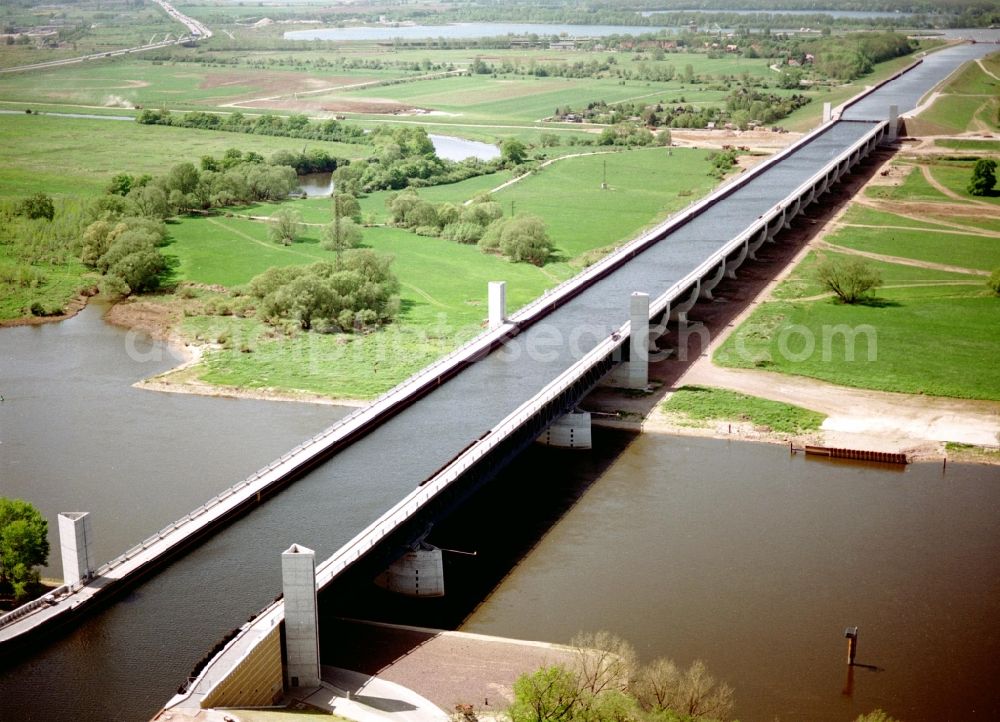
(311, 160)
(235, 178)
(405, 157)
(851, 56)
(522, 238)
(747, 104)
(708, 13)
(24, 546)
(604, 682)
(722, 161)
(357, 292)
(984, 177)
(743, 105)
(125, 251)
(631, 134)
(294, 126)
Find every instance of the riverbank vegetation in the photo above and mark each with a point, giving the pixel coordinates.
(697, 405)
(24, 546)
(604, 681)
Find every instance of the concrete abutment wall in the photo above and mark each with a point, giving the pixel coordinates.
(256, 681)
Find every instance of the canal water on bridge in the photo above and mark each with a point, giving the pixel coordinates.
(755, 561)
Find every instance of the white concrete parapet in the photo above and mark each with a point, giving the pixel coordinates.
(298, 579)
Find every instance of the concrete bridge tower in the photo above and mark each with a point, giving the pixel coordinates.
(298, 579)
(74, 543)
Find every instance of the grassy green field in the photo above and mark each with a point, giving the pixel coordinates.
(443, 284)
(75, 156)
(698, 404)
(925, 332)
(966, 251)
(914, 187)
(968, 144)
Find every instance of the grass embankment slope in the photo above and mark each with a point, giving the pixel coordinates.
(443, 284)
(968, 103)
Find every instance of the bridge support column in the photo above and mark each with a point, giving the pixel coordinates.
(638, 351)
(497, 304)
(775, 225)
(733, 263)
(707, 284)
(679, 312)
(757, 243)
(74, 543)
(827, 112)
(298, 581)
(571, 431)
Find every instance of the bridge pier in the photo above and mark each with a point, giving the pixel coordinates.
(774, 225)
(679, 311)
(497, 304)
(754, 246)
(74, 543)
(707, 284)
(570, 431)
(298, 581)
(418, 573)
(827, 112)
(733, 263)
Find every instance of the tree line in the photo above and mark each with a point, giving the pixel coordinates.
(294, 126)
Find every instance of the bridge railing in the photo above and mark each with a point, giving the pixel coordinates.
(660, 303)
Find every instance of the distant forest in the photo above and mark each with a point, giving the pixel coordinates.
(945, 13)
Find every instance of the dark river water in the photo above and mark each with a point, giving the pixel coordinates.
(734, 553)
(755, 561)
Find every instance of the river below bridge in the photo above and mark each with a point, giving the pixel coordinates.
(735, 553)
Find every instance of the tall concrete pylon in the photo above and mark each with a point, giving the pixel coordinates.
(74, 543)
(497, 304)
(298, 581)
(638, 350)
